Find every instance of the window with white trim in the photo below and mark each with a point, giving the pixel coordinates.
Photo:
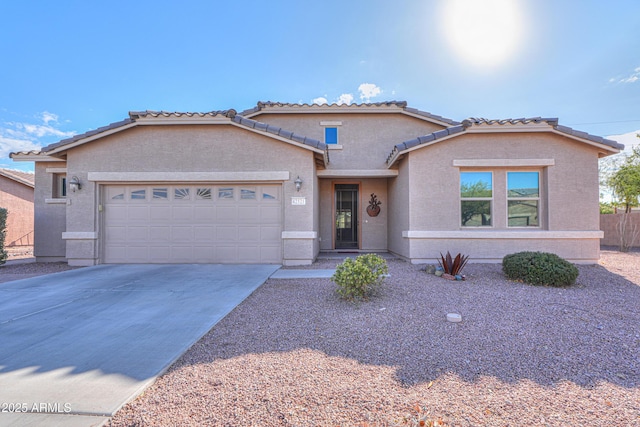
(523, 199)
(59, 186)
(476, 199)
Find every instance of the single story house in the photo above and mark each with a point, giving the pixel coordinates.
(16, 195)
(281, 182)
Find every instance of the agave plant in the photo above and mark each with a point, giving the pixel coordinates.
(452, 266)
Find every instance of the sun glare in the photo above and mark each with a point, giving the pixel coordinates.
(484, 33)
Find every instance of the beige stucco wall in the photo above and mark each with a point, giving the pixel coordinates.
(569, 194)
(399, 211)
(189, 148)
(17, 198)
(366, 139)
(50, 216)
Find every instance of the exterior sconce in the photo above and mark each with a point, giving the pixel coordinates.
(298, 183)
(74, 184)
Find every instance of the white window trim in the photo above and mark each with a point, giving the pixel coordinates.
(481, 199)
(508, 199)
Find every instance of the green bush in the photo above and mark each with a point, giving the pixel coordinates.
(3, 234)
(539, 268)
(360, 278)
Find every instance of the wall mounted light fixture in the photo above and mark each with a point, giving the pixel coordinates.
(74, 184)
(298, 183)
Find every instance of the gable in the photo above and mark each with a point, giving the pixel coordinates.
(514, 127)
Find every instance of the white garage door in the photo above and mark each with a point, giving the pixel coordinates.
(192, 224)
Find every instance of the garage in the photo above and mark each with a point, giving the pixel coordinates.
(194, 223)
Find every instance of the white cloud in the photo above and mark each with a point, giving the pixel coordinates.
(10, 145)
(368, 91)
(632, 78)
(345, 98)
(23, 136)
(320, 100)
(48, 117)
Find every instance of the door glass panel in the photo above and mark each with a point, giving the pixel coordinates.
(346, 216)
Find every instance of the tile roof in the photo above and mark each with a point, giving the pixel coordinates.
(401, 105)
(25, 178)
(470, 122)
(553, 122)
(230, 114)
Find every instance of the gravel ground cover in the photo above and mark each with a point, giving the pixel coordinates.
(294, 354)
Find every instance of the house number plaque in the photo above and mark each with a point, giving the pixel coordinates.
(298, 201)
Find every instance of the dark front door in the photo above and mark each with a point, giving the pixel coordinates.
(346, 216)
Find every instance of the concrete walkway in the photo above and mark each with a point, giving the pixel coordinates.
(75, 346)
(303, 274)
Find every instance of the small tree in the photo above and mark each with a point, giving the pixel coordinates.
(625, 182)
(3, 233)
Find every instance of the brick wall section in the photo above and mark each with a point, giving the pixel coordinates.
(18, 199)
(609, 224)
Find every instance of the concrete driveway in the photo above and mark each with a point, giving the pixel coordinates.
(75, 346)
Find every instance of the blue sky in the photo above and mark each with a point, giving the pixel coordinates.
(71, 66)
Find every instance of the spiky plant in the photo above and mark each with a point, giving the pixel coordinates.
(452, 266)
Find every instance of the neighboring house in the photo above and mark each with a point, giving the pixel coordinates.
(16, 195)
(281, 182)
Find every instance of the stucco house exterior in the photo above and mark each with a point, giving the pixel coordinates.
(16, 195)
(281, 182)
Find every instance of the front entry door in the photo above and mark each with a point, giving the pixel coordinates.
(346, 216)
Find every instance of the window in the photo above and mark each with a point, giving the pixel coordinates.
(160, 193)
(59, 186)
(330, 135)
(138, 194)
(225, 193)
(247, 193)
(523, 199)
(203, 194)
(476, 194)
(180, 194)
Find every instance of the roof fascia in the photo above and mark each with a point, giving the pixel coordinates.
(400, 153)
(34, 157)
(278, 137)
(324, 109)
(425, 118)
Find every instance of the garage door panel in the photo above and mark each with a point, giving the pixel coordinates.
(116, 234)
(270, 214)
(159, 234)
(140, 234)
(271, 254)
(182, 253)
(182, 213)
(193, 223)
(182, 234)
(226, 214)
(249, 254)
(249, 233)
(138, 213)
(204, 233)
(204, 213)
(159, 254)
(226, 254)
(270, 234)
(249, 214)
(227, 233)
(159, 213)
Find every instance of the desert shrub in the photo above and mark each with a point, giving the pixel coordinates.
(539, 268)
(359, 278)
(3, 234)
(452, 266)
